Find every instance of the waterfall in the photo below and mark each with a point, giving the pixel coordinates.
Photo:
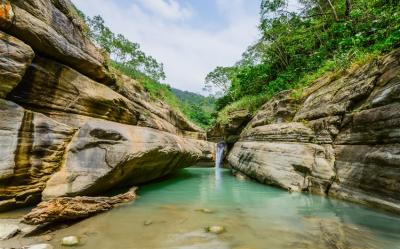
(219, 154)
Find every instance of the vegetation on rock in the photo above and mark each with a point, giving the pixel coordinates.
(298, 46)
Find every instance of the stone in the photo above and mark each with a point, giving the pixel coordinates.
(70, 241)
(51, 30)
(69, 97)
(148, 222)
(39, 246)
(75, 208)
(292, 166)
(205, 210)
(105, 154)
(368, 174)
(47, 237)
(31, 147)
(157, 114)
(216, 229)
(281, 108)
(15, 56)
(7, 231)
(230, 131)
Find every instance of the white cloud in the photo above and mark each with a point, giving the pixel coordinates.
(188, 52)
(169, 9)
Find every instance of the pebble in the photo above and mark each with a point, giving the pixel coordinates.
(148, 222)
(205, 210)
(70, 241)
(216, 229)
(47, 237)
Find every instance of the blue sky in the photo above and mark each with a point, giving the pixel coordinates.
(191, 37)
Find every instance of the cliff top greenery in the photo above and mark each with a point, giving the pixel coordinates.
(297, 47)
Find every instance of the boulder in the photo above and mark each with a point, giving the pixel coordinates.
(15, 57)
(75, 208)
(105, 154)
(52, 28)
(31, 149)
(284, 155)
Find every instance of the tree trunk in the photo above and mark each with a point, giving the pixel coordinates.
(333, 10)
(348, 8)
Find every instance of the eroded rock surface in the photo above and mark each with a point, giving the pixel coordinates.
(73, 208)
(340, 138)
(15, 57)
(105, 154)
(31, 149)
(51, 28)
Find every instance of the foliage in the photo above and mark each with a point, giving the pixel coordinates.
(123, 51)
(196, 107)
(298, 47)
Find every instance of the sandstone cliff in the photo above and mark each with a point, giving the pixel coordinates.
(341, 138)
(68, 124)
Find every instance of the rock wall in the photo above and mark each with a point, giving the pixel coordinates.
(341, 138)
(68, 124)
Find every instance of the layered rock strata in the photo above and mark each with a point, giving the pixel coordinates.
(66, 117)
(340, 138)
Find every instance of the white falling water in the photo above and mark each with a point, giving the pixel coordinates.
(219, 154)
(218, 162)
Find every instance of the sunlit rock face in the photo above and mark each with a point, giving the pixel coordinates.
(16, 56)
(31, 149)
(54, 87)
(103, 155)
(340, 138)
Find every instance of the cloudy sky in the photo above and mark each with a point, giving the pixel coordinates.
(191, 37)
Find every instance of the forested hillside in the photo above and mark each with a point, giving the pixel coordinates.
(198, 108)
(298, 45)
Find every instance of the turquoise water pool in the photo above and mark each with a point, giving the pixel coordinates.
(169, 214)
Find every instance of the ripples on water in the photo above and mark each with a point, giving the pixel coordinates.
(255, 216)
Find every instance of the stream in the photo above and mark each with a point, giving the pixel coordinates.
(172, 214)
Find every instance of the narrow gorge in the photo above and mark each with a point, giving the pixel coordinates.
(90, 158)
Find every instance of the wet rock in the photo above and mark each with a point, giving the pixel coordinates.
(73, 208)
(70, 241)
(216, 229)
(7, 231)
(39, 246)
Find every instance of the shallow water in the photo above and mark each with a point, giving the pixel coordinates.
(255, 216)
